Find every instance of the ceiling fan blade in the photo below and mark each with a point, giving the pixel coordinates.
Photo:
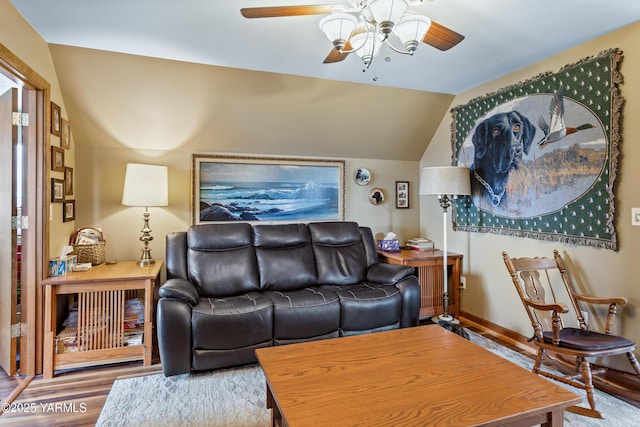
(441, 37)
(277, 11)
(336, 56)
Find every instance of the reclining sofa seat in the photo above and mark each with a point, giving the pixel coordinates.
(232, 288)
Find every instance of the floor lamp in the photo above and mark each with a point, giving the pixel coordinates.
(447, 182)
(145, 185)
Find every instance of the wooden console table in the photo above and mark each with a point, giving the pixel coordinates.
(429, 267)
(101, 302)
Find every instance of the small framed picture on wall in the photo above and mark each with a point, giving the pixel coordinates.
(57, 190)
(69, 210)
(65, 134)
(56, 117)
(402, 194)
(57, 159)
(68, 181)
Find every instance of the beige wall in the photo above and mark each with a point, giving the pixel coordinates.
(128, 108)
(490, 293)
(101, 193)
(20, 38)
(101, 156)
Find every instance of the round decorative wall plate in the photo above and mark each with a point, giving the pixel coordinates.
(376, 196)
(362, 176)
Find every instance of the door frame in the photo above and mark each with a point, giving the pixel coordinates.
(35, 249)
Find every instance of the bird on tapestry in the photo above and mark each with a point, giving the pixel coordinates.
(555, 130)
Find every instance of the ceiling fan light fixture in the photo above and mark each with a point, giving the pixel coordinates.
(338, 28)
(411, 30)
(387, 12)
(366, 45)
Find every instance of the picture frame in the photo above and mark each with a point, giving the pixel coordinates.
(237, 188)
(376, 196)
(65, 134)
(402, 195)
(57, 159)
(68, 181)
(56, 116)
(57, 190)
(68, 210)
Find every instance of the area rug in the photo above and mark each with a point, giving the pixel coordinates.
(235, 398)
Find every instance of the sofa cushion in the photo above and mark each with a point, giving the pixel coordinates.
(221, 259)
(285, 257)
(340, 255)
(232, 322)
(304, 313)
(367, 306)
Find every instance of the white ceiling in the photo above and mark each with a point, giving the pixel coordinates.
(501, 36)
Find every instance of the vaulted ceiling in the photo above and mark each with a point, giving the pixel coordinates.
(260, 85)
(501, 36)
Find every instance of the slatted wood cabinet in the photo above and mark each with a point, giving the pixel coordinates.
(430, 275)
(100, 293)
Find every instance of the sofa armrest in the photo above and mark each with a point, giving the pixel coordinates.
(181, 290)
(388, 274)
(174, 336)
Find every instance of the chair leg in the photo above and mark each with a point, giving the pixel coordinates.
(538, 362)
(588, 381)
(634, 362)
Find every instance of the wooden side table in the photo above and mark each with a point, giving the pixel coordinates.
(430, 275)
(101, 312)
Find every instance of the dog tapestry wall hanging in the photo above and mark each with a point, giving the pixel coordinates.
(543, 155)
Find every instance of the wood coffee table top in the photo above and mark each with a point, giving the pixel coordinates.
(416, 376)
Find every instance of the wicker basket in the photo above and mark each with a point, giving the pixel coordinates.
(94, 253)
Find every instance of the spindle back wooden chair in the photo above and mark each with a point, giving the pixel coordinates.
(532, 278)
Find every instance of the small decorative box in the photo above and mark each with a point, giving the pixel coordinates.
(389, 245)
(60, 266)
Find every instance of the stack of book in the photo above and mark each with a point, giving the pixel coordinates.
(133, 322)
(420, 244)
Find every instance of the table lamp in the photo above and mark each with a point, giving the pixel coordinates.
(145, 185)
(447, 182)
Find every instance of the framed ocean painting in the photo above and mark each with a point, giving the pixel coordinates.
(234, 188)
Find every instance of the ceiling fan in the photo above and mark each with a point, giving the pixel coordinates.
(362, 26)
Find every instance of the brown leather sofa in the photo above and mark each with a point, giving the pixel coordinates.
(232, 288)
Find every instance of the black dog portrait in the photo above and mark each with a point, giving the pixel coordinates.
(499, 143)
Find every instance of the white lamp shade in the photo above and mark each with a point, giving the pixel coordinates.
(338, 26)
(145, 185)
(367, 44)
(411, 29)
(387, 10)
(445, 180)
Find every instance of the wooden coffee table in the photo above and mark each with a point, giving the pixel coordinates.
(416, 376)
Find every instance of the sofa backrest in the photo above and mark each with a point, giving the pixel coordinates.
(221, 259)
(340, 255)
(233, 258)
(285, 256)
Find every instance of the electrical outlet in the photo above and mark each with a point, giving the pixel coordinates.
(463, 282)
(635, 217)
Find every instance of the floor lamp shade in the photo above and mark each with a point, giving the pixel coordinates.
(445, 181)
(145, 185)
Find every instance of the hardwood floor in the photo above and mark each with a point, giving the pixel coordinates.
(76, 398)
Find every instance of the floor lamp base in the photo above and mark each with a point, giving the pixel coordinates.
(445, 318)
(448, 322)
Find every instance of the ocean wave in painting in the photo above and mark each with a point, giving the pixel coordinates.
(268, 201)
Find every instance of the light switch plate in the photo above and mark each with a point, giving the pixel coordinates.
(635, 217)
